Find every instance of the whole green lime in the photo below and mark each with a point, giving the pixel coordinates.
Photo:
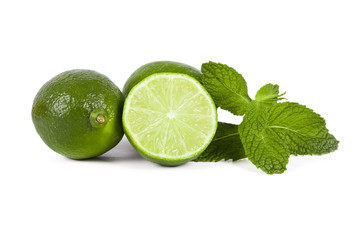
(168, 115)
(78, 114)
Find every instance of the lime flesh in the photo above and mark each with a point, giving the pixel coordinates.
(159, 67)
(169, 118)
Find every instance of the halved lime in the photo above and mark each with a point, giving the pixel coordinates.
(169, 118)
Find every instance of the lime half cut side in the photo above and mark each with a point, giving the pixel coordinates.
(169, 118)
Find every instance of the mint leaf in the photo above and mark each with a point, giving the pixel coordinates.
(226, 86)
(226, 145)
(271, 134)
(303, 130)
(269, 94)
(263, 148)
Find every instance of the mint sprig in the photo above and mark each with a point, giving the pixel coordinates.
(270, 132)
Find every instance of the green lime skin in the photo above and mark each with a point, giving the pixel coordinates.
(78, 114)
(142, 73)
(159, 67)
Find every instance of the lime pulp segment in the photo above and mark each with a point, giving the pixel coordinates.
(170, 116)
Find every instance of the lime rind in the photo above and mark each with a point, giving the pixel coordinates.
(196, 107)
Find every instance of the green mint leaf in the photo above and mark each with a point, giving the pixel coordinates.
(263, 148)
(271, 134)
(303, 130)
(226, 86)
(226, 145)
(269, 94)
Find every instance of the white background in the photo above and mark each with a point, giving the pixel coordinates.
(310, 48)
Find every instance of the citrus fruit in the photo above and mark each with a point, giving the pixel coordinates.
(168, 117)
(78, 114)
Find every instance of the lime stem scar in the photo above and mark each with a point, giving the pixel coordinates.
(100, 119)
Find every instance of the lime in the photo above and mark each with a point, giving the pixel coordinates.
(169, 117)
(78, 114)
